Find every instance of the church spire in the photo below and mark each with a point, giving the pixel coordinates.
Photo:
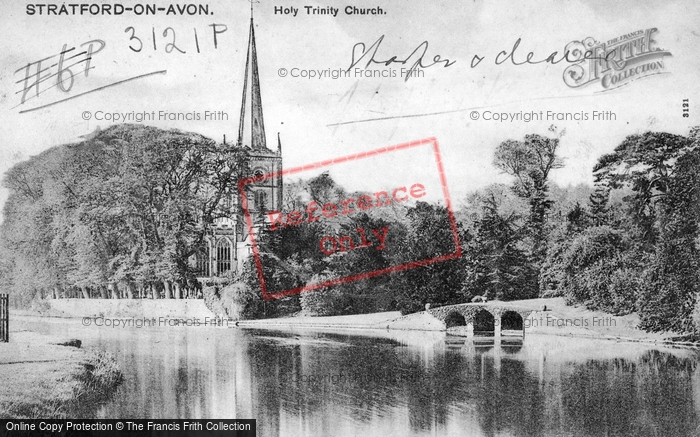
(251, 128)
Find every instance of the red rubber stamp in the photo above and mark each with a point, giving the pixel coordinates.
(338, 221)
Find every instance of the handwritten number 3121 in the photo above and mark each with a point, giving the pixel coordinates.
(136, 43)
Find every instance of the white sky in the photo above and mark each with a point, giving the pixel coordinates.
(302, 109)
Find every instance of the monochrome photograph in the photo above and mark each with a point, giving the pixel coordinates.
(394, 218)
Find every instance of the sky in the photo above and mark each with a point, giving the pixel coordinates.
(324, 118)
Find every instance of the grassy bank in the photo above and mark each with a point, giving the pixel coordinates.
(44, 379)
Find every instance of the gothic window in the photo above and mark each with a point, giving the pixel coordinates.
(260, 200)
(224, 254)
(258, 174)
(202, 262)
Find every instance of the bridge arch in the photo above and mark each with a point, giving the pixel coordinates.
(484, 321)
(455, 318)
(512, 321)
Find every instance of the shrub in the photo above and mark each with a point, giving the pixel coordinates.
(601, 271)
(213, 301)
(329, 301)
(667, 298)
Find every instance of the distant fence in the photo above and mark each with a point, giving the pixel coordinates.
(4, 318)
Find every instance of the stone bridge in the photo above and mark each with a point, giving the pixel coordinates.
(491, 317)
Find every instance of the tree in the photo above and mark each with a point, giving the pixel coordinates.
(645, 256)
(646, 164)
(127, 206)
(601, 270)
(576, 219)
(598, 206)
(429, 236)
(291, 256)
(552, 271)
(495, 264)
(370, 294)
(672, 282)
(530, 161)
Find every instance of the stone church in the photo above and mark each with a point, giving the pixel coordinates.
(228, 245)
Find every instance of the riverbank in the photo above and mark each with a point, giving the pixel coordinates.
(558, 319)
(49, 377)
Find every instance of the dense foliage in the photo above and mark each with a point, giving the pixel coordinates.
(116, 215)
(121, 214)
(291, 258)
(639, 253)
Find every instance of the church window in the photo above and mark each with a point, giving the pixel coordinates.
(202, 262)
(260, 200)
(223, 256)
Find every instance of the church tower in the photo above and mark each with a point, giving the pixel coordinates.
(228, 246)
(265, 195)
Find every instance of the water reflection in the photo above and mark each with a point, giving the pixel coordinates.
(395, 383)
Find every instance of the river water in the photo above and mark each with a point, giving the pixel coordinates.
(381, 383)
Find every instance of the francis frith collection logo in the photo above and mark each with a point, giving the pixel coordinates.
(617, 62)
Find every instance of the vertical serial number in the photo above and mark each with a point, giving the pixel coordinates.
(686, 108)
